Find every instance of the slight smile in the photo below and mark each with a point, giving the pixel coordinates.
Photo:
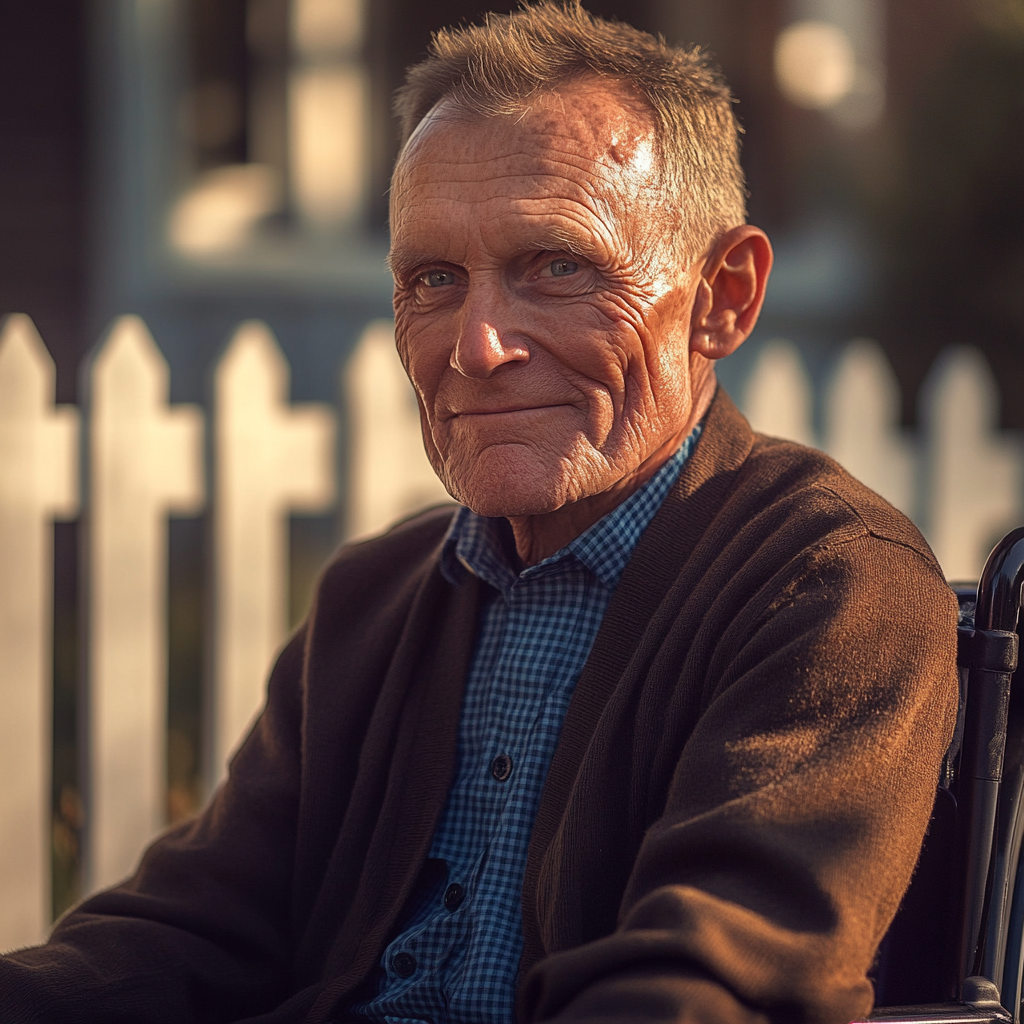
(511, 411)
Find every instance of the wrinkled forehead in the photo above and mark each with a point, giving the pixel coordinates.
(587, 135)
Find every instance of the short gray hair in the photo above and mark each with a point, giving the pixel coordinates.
(495, 69)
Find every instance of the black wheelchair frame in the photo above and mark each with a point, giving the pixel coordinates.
(954, 952)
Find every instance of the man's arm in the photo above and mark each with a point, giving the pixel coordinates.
(202, 931)
(795, 812)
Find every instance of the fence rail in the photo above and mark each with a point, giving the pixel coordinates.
(137, 458)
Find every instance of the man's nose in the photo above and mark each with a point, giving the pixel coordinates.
(486, 338)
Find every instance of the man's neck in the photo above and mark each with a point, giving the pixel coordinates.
(539, 536)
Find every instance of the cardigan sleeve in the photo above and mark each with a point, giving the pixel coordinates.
(201, 931)
(795, 812)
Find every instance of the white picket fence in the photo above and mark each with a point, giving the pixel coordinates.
(137, 459)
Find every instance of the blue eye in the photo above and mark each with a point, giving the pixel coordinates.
(563, 268)
(437, 278)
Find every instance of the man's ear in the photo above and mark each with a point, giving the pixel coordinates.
(730, 291)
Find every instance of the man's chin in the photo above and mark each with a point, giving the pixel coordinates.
(508, 495)
(511, 481)
(511, 506)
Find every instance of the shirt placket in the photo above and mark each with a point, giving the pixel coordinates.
(524, 681)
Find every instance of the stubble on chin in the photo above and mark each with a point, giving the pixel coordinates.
(517, 479)
(501, 480)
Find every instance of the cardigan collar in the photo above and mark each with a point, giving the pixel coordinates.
(483, 545)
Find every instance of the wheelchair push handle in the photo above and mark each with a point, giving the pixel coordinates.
(999, 592)
(990, 655)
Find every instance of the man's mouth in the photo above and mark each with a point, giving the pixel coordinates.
(509, 410)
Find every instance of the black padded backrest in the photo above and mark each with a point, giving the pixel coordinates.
(915, 962)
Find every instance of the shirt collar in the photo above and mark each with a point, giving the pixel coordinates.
(480, 544)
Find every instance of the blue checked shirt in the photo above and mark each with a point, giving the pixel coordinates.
(457, 951)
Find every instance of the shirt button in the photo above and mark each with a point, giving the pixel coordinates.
(404, 964)
(501, 767)
(453, 896)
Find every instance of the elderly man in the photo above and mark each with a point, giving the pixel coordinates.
(649, 728)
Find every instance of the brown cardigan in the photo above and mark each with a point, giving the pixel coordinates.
(733, 811)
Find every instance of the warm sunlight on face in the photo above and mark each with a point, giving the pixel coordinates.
(539, 309)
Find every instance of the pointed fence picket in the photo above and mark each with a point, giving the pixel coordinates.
(390, 476)
(958, 475)
(862, 424)
(778, 399)
(271, 459)
(973, 473)
(38, 483)
(145, 461)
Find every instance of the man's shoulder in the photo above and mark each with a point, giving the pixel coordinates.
(794, 488)
(375, 569)
(826, 498)
(423, 530)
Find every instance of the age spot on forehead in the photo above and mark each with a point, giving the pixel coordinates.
(609, 112)
(597, 119)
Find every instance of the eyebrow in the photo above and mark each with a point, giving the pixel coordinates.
(582, 246)
(401, 261)
(570, 237)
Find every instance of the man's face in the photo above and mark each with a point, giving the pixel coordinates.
(539, 311)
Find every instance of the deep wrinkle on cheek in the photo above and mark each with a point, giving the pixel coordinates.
(612, 377)
(621, 307)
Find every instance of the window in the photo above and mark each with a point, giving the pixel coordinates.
(275, 123)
